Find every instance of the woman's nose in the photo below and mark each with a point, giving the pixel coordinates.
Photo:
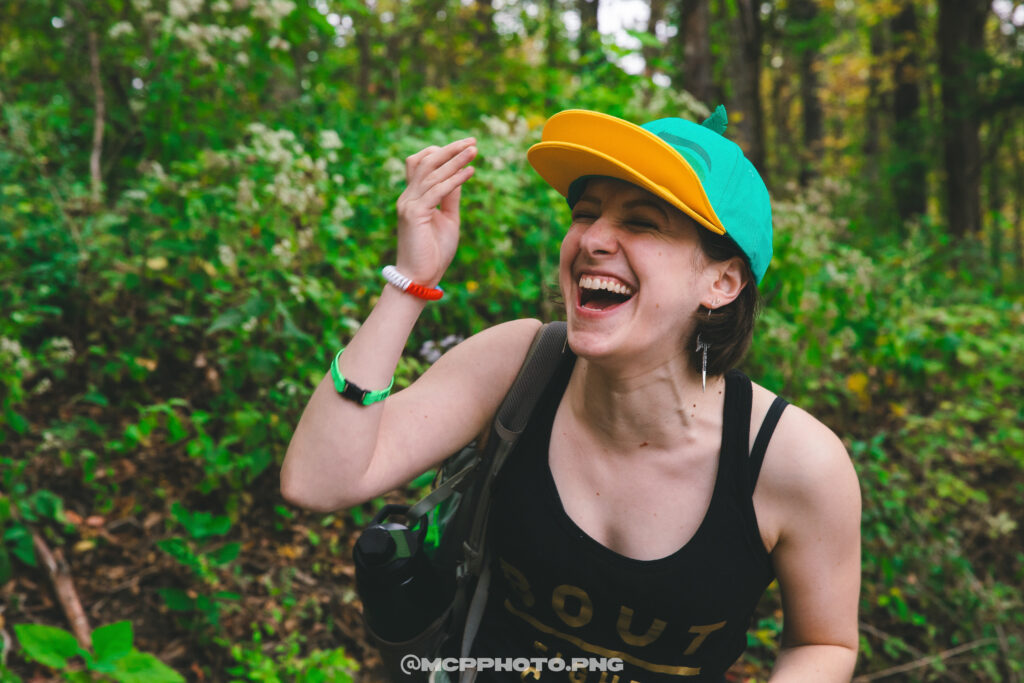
(600, 237)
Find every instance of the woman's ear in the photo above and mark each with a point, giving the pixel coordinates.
(728, 281)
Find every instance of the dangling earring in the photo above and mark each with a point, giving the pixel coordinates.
(701, 345)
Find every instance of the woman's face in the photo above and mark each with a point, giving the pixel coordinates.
(631, 274)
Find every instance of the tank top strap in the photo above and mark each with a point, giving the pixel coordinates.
(764, 435)
(736, 424)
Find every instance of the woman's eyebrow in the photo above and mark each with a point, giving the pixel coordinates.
(648, 203)
(588, 198)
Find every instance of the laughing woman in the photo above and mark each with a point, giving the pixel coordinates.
(656, 492)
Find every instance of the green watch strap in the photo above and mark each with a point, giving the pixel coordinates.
(352, 391)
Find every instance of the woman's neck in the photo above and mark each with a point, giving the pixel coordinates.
(661, 406)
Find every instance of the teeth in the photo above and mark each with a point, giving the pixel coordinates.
(591, 282)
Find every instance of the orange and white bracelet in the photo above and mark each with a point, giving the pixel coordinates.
(401, 282)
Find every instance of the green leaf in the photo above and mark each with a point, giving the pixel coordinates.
(141, 667)
(113, 641)
(6, 572)
(21, 542)
(228, 320)
(224, 554)
(48, 504)
(48, 645)
(177, 600)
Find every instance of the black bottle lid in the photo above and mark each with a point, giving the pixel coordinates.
(376, 546)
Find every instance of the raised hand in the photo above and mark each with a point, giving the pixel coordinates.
(428, 209)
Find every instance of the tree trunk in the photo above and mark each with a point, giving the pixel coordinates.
(910, 181)
(590, 35)
(804, 15)
(874, 106)
(747, 117)
(487, 35)
(695, 34)
(960, 42)
(99, 121)
(1018, 229)
(652, 54)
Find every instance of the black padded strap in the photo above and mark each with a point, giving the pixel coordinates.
(764, 435)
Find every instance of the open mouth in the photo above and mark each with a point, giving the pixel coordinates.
(602, 293)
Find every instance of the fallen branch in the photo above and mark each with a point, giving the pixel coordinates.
(64, 587)
(924, 661)
(882, 635)
(5, 640)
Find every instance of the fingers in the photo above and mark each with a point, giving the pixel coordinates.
(432, 173)
(450, 201)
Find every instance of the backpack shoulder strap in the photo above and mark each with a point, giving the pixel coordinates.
(543, 358)
(545, 355)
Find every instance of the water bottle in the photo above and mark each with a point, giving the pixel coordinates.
(402, 593)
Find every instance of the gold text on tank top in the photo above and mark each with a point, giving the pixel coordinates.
(574, 607)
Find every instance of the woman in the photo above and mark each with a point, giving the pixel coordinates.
(635, 520)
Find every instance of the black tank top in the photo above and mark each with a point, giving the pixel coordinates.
(557, 593)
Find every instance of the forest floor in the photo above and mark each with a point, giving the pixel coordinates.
(293, 575)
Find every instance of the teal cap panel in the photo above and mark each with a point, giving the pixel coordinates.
(732, 184)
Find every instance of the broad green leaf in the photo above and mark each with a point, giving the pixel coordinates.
(47, 645)
(113, 641)
(141, 667)
(21, 542)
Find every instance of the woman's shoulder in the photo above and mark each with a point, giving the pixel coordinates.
(491, 358)
(806, 462)
(510, 340)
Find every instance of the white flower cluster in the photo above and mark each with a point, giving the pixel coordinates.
(287, 387)
(303, 288)
(506, 140)
(62, 350)
(295, 183)
(51, 442)
(227, 256)
(279, 43)
(283, 251)
(395, 168)
(183, 9)
(202, 37)
(330, 140)
(273, 11)
(121, 28)
(12, 349)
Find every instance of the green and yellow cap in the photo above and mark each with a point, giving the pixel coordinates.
(691, 166)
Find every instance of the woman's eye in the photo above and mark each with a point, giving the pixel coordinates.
(642, 224)
(582, 216)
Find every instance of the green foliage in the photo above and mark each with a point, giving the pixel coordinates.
(204, 604)
(283, 661)
(158, 342)
(113, 658)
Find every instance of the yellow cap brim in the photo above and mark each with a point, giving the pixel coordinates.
(577, 143)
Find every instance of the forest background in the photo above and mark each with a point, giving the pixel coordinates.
(195, 202)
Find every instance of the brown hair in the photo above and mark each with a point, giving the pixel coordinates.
(728, 330)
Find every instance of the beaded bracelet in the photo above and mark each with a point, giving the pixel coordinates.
(405, 284)
(347, 389)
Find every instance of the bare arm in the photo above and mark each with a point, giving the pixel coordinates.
(811, 499)
(343, 453)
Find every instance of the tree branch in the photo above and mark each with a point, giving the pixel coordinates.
(60, 575)
(924, 661)
(99, 117)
